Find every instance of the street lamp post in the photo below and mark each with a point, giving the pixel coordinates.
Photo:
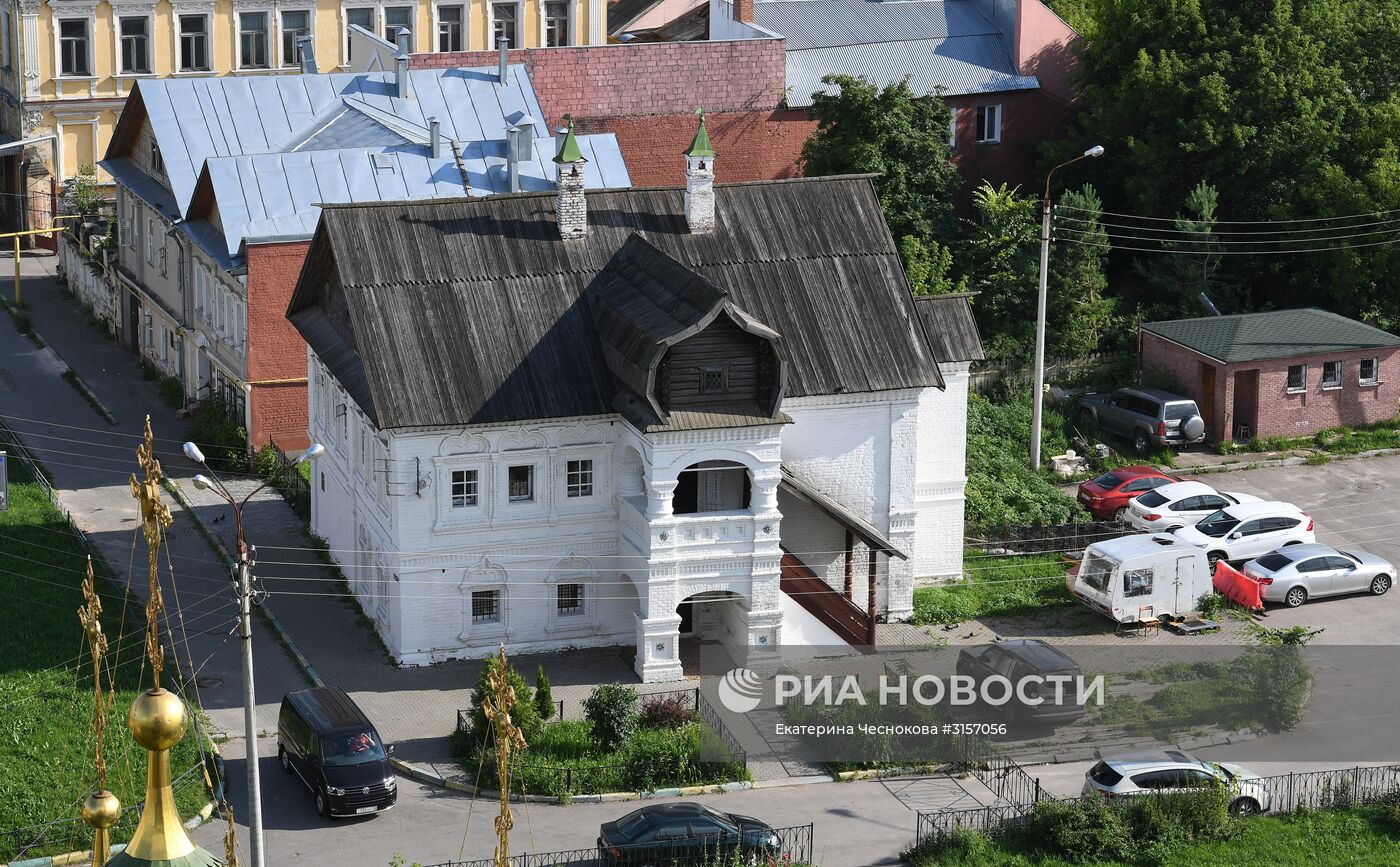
(1039, 395)
(243, 581)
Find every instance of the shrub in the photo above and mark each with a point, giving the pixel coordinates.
(610, 710)
(523, 714)
(1001, 486)
(172, 391)
(667, 712)
(544, 697)
(1081, 832)
(223, 440)
(659, 758)
(562, 740)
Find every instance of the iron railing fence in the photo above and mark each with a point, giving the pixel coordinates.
(1008, 781)
(286, 477)
(73, 834)
(793, 848)
(1045, 538)
(1286, 793)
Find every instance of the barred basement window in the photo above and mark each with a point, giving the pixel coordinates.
(579, 482)
(465, 488)
(570, 600)
(486, 606)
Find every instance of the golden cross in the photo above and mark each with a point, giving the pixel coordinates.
(155, 517)
(91, 617)
(509, 739)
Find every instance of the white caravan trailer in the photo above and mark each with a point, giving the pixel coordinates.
(1142, 577)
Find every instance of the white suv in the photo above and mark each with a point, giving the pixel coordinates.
(1248, 530)
(1168, 771)
(1178, 505)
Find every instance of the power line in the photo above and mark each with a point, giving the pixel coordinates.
(1217, 239)
(1210, 230)
(1369, 216)
(1108, 247)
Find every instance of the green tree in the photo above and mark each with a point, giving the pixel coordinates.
(1001, 261)
(1290, 109)
(83, 196)
(929, 267)
(1080, 313)
(544, 696)
(902, 138)
(612, 709)
(523, 715)
(1191, 265)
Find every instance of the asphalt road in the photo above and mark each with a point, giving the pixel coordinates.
(867, 823)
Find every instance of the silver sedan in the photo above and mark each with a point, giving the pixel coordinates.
(1295, 574)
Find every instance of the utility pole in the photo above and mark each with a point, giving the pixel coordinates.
(1047, 210)
(243, 584)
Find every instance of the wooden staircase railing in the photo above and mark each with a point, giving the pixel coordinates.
(829, 606)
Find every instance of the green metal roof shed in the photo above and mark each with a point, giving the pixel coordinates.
(1272, 334)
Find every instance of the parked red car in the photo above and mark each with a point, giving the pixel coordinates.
(1107, 496)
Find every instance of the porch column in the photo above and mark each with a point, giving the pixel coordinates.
(870, 600)
(850, 565)
(658, 648)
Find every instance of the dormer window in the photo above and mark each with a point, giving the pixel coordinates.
(714, 380)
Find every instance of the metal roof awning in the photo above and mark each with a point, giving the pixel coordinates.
(863, 530)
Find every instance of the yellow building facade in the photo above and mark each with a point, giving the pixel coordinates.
(66, 66)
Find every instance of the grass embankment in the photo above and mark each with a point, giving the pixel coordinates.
(995, 586)
(1362, 835)
(1332, 441)
(46, 740)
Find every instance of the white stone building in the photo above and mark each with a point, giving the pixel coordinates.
(649, 417)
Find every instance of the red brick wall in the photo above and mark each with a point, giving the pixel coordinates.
(1029, 117)
(1280, 413)
(276, 352)
(750, 145)
(657, 78)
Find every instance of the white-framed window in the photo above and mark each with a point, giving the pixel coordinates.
(505, 24)
(295, 23)
(150, 241)
(988, 124)
(194, 43)
(150, 331)
(132, 221)
(135, 35)
(1297, 377)
(359, 16)
(201, 290)
(1331, 374)
(520, 483)
(952, 127)
(466, 489)
(1368, 371)
(396, 17)
(75, 47)
(556, 23)
(252, 40)
(486, 605)
(451, 28)
(578, 478)
(569, 599)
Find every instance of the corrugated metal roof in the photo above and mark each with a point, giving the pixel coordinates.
(810, 259)
(827, 23)
(1272, 334)
(957, 66)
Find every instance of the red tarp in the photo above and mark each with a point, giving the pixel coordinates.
(1238, 586)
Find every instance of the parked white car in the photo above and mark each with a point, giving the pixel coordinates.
(1180, 504)
(1248, 530)
(1167, 771)
(1295, 574)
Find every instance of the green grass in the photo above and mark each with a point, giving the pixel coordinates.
(46, 741)
(1362, 835)
(995, 586)
(1332, 441)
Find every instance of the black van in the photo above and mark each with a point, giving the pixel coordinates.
(324, 738)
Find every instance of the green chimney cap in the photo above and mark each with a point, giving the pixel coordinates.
(570, 152)
(700, 145)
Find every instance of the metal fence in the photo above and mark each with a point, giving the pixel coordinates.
(71, 834)
(1046, 538)
(1287, 793)
(1006, 779)
(794, 848)
(274, 465)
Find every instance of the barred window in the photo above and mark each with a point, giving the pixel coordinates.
(486, 606)
(569, 600)
(521, 483)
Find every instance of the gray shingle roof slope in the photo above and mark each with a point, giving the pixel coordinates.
(1272, 334)
(938, 44)
(474, 311)
(951, 327)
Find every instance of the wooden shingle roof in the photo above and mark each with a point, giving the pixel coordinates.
(952, 329)
(475, 311)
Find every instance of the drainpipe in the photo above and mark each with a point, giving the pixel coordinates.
(502, 43)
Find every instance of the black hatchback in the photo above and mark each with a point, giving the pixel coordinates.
(325, 739)
(685, 833)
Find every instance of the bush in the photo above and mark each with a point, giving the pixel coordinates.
(172, 391)
(667, 712)
(660, 758)
(562, 740)
(223, 440)
(523, 714)
(610, 710)
(1081, 832)
(544, 697)
(1001, 486)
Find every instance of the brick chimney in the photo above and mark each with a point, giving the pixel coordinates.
(743, 11)
(700, 181)
(570, 204)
